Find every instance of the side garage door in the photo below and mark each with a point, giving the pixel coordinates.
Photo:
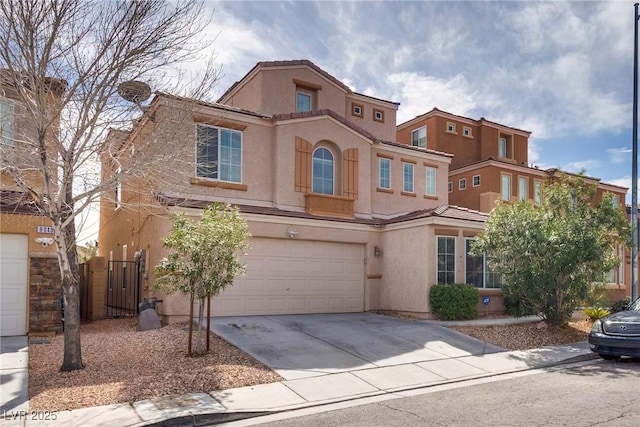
(286, 276)
(13, 284)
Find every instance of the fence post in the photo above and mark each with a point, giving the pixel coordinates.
(97, 288)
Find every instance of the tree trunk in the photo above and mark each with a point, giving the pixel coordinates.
(199, 343)
(67, 257)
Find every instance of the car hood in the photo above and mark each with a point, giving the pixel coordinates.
(631, 316)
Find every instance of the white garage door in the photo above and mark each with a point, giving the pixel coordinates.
(13, 284)
(286, 276)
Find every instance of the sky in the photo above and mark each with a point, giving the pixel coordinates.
(562, 70)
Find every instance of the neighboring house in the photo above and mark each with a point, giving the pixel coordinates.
(30, 286)
(343, 217)
(490, 164)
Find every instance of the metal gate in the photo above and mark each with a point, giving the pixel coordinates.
(123, 287)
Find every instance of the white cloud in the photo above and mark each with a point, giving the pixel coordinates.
(619, 155)
(418, 94)
(581, 165)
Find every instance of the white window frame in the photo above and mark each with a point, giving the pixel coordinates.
(522, 192)
(450, 186)
(298, 105)
(381, 161)
(419, 141)
(502, 147)
(430, 187)
(407, 186)
(474, 180)
(118, 198)
(505, 196)
(333, 171)
(485, 267)
(446, 271)
(462, 184)
(220, 164)
(537, 192)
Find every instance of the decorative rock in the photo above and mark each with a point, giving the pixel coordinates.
(148, 319)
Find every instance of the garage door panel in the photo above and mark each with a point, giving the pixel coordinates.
(286, 276)
(13, 284)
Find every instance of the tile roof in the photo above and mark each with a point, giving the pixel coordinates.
(443, 211)
(212, 104)
(330, 113)
(18, 202)
(288, 63)
(420, 150)
(435, 110)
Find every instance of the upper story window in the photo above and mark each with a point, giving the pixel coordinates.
(419, 137)
(505, 187)
(6, 121)
(218, 153)
(502, 147)
(407, 177)
(451, 127)
(615, 201)
(450, 187)
(357, 110)
(476, 180)
(385, 173)
(118, 196)
(430, 184)
(323, 167)
(523, 184)
(537, 192)
(303, 101)
(378, 115)
(466, 131)
(462, 184)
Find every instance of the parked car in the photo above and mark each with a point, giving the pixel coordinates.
(618, 334)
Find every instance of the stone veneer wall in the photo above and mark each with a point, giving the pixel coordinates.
(45, 292)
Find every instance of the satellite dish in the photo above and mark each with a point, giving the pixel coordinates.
(134, 91)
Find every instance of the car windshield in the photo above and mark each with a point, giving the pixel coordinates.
(635, 305)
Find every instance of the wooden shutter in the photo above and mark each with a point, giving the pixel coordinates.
(303, 165)
(350, 173)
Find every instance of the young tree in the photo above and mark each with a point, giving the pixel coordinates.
(203, 258)
(551, 255)
(64, 61)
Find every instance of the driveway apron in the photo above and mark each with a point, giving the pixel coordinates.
(306, 345)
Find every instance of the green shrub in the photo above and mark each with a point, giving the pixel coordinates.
(620, 305)
(516, 303)
(454, 301)
(596, 313)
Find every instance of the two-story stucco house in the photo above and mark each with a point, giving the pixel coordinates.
(343, 218)
(29, 272)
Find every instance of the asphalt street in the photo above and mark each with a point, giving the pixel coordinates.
(596, 393)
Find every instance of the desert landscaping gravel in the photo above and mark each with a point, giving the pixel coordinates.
(124, 365)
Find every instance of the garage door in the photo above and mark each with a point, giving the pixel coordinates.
(13, 284)
(295, 277)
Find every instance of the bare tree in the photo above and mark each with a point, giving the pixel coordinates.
(63, 61)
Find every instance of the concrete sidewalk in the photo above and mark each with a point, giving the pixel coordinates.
(200, 408)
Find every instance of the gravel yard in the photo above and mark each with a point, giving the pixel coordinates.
(123, 365)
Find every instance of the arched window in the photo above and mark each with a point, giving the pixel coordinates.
(323, 167)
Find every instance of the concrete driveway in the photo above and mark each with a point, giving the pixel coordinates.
(300, 346)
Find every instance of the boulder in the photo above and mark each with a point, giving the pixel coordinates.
(148, 319)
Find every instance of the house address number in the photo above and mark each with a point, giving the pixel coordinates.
(44, 229)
